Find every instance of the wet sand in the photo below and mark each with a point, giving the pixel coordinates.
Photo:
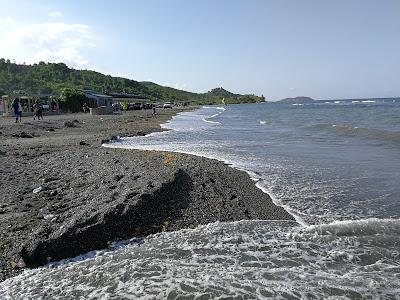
(62, 194)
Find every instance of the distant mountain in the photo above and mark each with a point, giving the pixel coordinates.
(52, 78)
(299, 99)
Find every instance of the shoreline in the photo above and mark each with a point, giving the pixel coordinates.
(64, 195)
(295, 217)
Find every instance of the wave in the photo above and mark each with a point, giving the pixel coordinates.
(207, 119)
(215, 107)
(264, 122)
(350, 130)
(212, 122)
(245, 259)
(365, 227)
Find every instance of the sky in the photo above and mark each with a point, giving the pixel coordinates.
(283, 48)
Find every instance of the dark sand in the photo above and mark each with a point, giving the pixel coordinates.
(87, 196)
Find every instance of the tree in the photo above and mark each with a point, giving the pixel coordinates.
(125, 105)
(72, 99)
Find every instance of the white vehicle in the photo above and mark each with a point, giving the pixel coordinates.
(168, 105)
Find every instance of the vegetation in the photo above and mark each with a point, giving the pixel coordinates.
(54, 78)
(73, 100)
(125, 105)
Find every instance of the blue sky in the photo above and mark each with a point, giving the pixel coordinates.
(322, 49)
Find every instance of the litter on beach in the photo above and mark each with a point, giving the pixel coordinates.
(38, 190)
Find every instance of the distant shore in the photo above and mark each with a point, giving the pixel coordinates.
(62, 194)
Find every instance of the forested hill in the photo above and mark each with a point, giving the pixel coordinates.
(52, 78)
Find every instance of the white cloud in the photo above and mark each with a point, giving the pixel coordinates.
(49, 42)
(55, 14)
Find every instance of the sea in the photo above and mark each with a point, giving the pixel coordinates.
(333, 165)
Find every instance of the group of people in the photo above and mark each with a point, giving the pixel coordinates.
(17, 108)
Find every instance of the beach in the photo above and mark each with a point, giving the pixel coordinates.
(63, 194)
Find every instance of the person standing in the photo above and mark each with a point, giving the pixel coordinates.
(20, 111)
(17, 107)
(85, 108)
(39, 110)
(35, 110)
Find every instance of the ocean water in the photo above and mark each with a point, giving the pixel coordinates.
(335, 166)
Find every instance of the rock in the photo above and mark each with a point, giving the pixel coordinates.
(48, 216)
(69, 124)
(139, 133)
(49, 179)
(112, 139)
(22, 134)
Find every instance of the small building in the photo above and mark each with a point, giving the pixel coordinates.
(7, 102)
(100, 99)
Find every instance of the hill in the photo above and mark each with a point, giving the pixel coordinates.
(300, 99)
(52, 78)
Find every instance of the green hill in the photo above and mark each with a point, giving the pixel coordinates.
(220, 92)
(52, 78)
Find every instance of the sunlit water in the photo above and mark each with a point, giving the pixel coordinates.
(334, 166)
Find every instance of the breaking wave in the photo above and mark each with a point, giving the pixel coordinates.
(246, 259)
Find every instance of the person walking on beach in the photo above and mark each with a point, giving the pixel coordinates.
(17, 107)
(38, 110)
(154, 111)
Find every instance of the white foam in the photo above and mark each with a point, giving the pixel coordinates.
(245, 259)
(263, 122)
(212, 122)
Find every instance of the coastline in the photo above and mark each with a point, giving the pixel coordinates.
(62, 194)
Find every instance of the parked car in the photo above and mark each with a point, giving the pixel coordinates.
(147, 106)
(135, 106)
(168, 105)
